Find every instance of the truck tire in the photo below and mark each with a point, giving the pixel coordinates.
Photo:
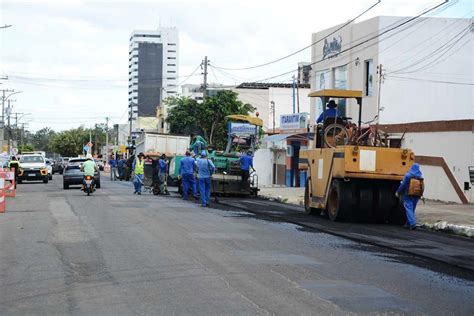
(45, 180)
(308, 209)
(366, 203)
(65, 186)
(339, 201)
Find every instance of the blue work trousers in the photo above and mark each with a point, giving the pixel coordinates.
(409, 203)
(205, 190)
(138, 182)
(188, 182)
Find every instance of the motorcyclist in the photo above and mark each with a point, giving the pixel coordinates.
(90, 168)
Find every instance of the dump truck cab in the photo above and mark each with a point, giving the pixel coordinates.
(352, 173)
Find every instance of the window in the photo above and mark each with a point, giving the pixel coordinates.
(340, 82)
(171, 44)
(369, 77)
(170, 78)
(171, 71)
(171, 64)
(321, 83)
(171, 57)
(171, 51)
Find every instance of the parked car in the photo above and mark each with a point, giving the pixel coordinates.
(49, 165)
(73, 175)
(57, 165)
(33, 167)
(65, 160)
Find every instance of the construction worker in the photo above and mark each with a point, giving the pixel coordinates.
(187, 167)
(410, 200)
(205, 170)
(121, 168)
(198, 144)
(138, 168)
(331, 111)
(246, 162)
(162, 169)
(15, 165)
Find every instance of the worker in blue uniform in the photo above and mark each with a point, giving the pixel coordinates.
(205, 170)
(187, 167)
(409, 201)
(331, 111)
(246, 162)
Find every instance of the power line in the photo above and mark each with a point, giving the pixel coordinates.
(306, 47)
(429, 80)
(367, 40)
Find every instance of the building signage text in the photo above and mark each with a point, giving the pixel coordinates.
(293, 121)
(242, 129)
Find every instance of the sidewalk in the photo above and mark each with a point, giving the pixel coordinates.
(457, 218)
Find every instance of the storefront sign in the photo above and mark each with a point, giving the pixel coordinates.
(293, 121)
(242, 129)
(332, 48)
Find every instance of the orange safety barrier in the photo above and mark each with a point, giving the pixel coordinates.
(2, 193)
(10, 190)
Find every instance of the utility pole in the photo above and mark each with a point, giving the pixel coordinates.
(9, 128)
(204, 65)
(294, 95)
(380, 74)
(273, 112)
(3, 104)
(107, 138)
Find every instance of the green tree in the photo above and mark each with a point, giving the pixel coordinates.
(70, 143)
(186, 115)
(40, 140)
(182, 113)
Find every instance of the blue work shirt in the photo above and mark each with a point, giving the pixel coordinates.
(162, 163)
(414, 172)
(187, 165)
(205, 168)
(112, 163)
(328, 113)
(246, 162)
(121, 163)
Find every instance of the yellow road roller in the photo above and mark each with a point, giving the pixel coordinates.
(352, 172)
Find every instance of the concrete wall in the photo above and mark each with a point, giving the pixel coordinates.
(263, 163)
(424, 95)
(457, 148)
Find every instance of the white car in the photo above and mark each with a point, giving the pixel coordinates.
(33, 167)
(49, 165)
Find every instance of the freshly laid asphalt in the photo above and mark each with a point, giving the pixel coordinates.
(115, 253)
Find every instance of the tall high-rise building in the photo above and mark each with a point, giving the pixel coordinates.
(152, 76)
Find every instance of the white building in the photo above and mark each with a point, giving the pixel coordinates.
(426, 90)
(152, 76)
(273, 100)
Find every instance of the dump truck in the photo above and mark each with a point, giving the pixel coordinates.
(155, 142)
(352, 173)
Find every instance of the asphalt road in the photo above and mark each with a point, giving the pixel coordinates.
(115, 253)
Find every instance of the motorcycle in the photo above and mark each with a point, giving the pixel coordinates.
(89, 185)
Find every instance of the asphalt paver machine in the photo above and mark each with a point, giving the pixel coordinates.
(352, 173)
(242, 136)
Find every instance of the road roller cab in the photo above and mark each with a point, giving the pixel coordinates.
(352, 173)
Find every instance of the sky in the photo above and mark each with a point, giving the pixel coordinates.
(69, 58)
